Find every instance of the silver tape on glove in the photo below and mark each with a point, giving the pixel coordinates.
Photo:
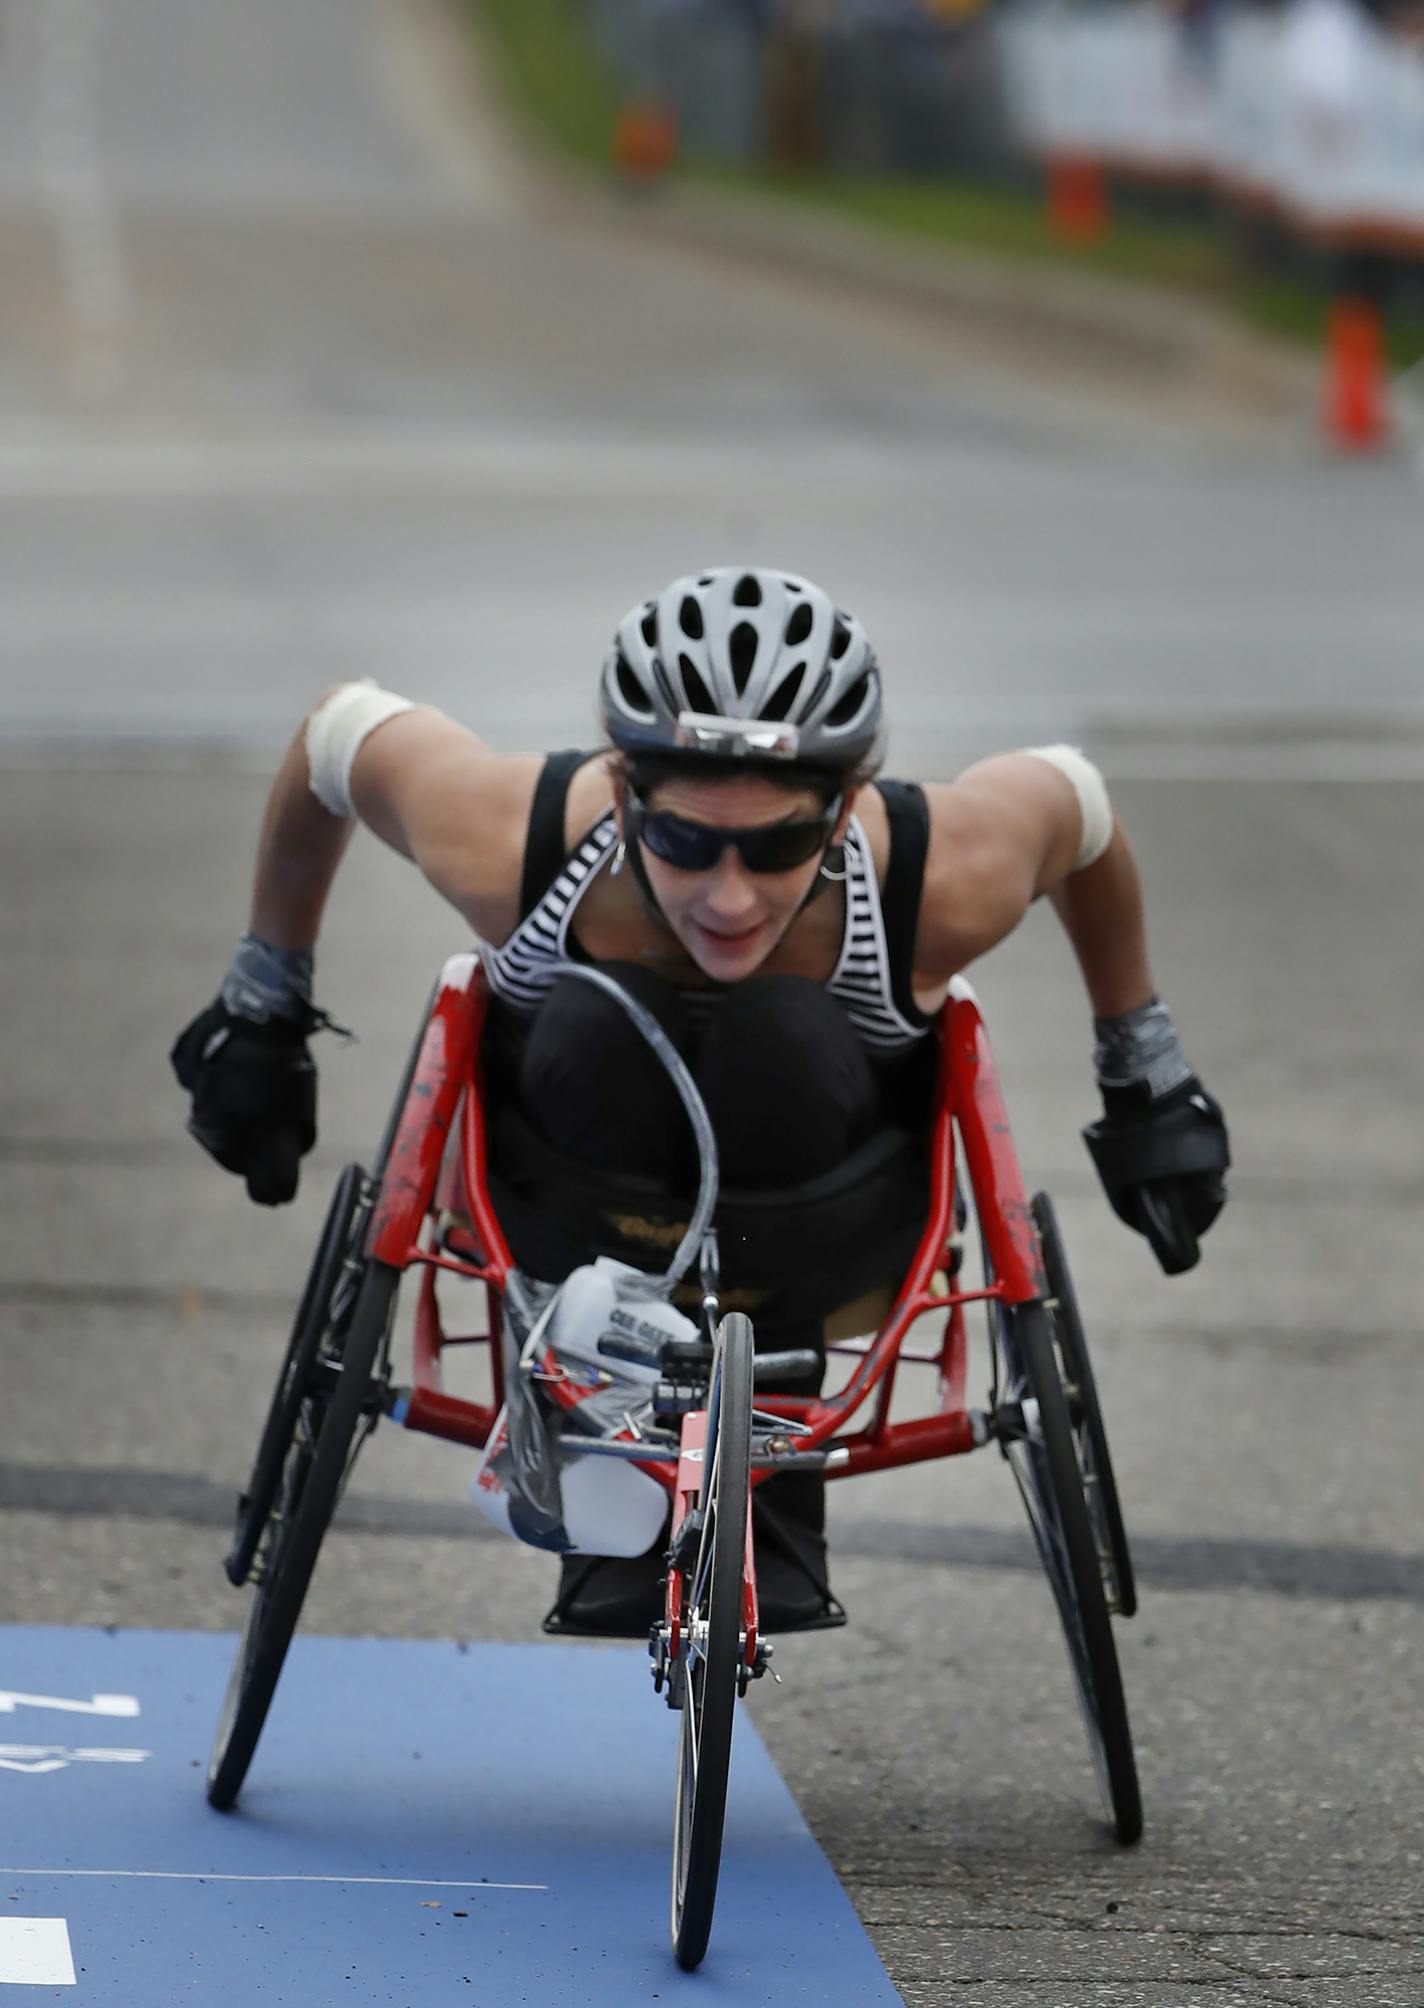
(1140, 1048)
(264, 982)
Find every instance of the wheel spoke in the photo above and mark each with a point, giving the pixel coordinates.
(1060, 1475)
(319, 1435)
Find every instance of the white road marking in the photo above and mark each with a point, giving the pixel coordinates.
(187, 1875)
(240, 745)
(100, 1704)
(35, 1760)
(35, 1952)
(81, 208)
(430, 73)
(157, 469)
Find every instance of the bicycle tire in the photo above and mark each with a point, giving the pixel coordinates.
(1106, 1508)
(294, 1378)
(314, 1472)
(1044, 1460)
(704, 1746)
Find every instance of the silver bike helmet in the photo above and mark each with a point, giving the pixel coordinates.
(743, 663)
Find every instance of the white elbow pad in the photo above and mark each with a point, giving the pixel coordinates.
(335, 731)
(1092, 792)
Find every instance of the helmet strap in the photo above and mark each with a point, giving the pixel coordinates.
(645, 887)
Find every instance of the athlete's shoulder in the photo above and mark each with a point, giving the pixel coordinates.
(990, 831)
(460, 810)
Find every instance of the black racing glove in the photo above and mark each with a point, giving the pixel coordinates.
(1161, 1148)
(1163, 1163)
(254, 1094)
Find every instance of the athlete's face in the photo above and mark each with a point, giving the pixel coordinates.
(729, 918)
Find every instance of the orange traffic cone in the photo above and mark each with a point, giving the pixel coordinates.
(644, 143)
(1354, 411)
(1077, 199)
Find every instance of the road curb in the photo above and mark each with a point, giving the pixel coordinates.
(1126, 333)
(1182, 349)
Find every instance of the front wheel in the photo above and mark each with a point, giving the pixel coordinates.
(340, 1394)
(1043, 1455)
(712, 1604)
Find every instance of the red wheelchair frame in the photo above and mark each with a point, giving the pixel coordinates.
(1043, 1411)
(422, 1176)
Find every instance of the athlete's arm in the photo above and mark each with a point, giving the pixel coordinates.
(435, 793)
(298, 850)
(1028, 824)
(426, 786)
(1010, 830)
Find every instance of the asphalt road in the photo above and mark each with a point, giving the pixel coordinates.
(302, 376)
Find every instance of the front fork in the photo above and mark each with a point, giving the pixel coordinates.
(681, 1632)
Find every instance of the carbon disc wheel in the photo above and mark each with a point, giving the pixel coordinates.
(713, 1618)
(1044, 1458)
(340, 1395)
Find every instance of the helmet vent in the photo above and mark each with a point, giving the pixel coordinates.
(690, 614)
(799, 625)
(650, 625)
(822, 685)
(629, 688)
(853, 701)
(778, 705)
(671, 702)
(699, 697)
(742, 645)
(748, 593)
(840, 640)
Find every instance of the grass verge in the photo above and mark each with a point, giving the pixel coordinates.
(556, 84)
(551, 75)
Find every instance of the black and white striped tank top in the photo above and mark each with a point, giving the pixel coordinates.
(871, 978)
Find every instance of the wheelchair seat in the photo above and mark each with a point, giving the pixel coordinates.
(790, 1258)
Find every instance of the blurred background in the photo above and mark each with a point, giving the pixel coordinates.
(1072, 348)
(1266, 153)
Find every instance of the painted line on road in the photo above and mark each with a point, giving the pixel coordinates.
(995, 628)
(35, 1952)
(572, 467)
(214, 1875)
(33, 1760)
(57, 743)
(81, 208)
(113, 1706)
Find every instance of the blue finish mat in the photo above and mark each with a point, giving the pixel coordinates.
(423, 1823)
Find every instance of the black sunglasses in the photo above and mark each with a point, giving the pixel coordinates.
(697, 847)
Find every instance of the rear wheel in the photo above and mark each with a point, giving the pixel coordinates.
(1094, 1458)
(712, 1605)
(1044, 1456)
(326, 1303)
(331, 1411)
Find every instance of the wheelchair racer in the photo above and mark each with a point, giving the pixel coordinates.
(792, 920)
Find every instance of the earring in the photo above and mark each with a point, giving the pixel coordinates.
(618, 857)
(836, 878)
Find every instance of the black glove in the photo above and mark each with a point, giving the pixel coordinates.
(1163, 1165)
(254, 1095)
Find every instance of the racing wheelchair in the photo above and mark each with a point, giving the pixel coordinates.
(675, 1400)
